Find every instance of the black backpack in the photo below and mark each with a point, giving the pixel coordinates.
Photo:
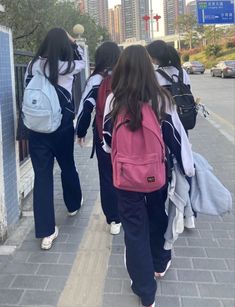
(183, 97)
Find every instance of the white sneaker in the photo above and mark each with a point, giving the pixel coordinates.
(76, 211)
(47, 241)
(163, 273)
(115, 228)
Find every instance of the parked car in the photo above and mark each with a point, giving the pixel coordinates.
(224, 69)
(194, 66)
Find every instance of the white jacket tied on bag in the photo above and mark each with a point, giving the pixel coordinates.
(178, 207)
(208, 194)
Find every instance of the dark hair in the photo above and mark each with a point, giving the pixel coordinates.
(134, 83)
(106, 56)
(174, 57)
(158, 50)
(166, 55)
(56, 46)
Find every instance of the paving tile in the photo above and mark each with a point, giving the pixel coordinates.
(32, 297)
(193, 275)
(56, 283)
(20, 256)
(181, 263)
(126, 287)
(190, 252)
(117, 272)
(29, 282)
(198, 302)
(231, 264)
(209, 264)
(202, 242)
(64, 247)
(171, 275)
(181, 242)
(5, 281)
(178, 289)
(225, 277)
(120, 300)
(43, 257)
(223, 226)
(228, 303)
(190, 233)
(229, 243)
(164, 301)
(11, 296)
(117, 249)
(116, 260)
(54, 270)
(217, 290)
(203, 225)
(220, 252)
(20, 268)
(113, 286)
(67, 258)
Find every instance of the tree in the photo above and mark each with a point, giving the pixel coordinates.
(31, 19)
(186, 25)
(213, 34)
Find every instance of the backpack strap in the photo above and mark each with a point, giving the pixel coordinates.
(165, 75)
(181, 75)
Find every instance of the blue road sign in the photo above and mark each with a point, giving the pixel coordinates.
(215, 12)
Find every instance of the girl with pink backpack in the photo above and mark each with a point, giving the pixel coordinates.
(134, 120)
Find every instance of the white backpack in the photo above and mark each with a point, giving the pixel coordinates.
(41, 107)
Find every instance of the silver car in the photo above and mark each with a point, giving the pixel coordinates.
(224, 69)
(194, 67)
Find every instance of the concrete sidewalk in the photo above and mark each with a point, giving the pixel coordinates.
(85, 266)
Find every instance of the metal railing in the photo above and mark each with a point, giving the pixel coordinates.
(21, 60)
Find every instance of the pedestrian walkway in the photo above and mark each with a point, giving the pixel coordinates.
(85, 266)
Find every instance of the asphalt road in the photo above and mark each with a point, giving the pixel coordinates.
(219, 96)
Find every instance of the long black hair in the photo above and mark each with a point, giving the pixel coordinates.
(165, 54)
(134, 83)
(106, 57)
(56, 46)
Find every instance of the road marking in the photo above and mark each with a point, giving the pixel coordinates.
(218, 122)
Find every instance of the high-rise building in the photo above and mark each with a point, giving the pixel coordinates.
(98, 10)
(191, 8)
(172, 10)
(118, 28)
(81, 6)
(133, 12)
(111, 24)
(115, 24)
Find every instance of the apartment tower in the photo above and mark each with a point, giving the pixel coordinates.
(98, 10)
(133, 12)
(172, 10)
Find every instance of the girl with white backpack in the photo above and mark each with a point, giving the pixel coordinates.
(57, 59)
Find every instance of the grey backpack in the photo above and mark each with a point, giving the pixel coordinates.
(41, 107)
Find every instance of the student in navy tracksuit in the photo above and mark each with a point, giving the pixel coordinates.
(143, 214)
(59, 58)
(106, 57)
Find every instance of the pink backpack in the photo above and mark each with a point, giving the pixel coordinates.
(138, 157)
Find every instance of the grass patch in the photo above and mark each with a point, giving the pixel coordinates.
(224, 55)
